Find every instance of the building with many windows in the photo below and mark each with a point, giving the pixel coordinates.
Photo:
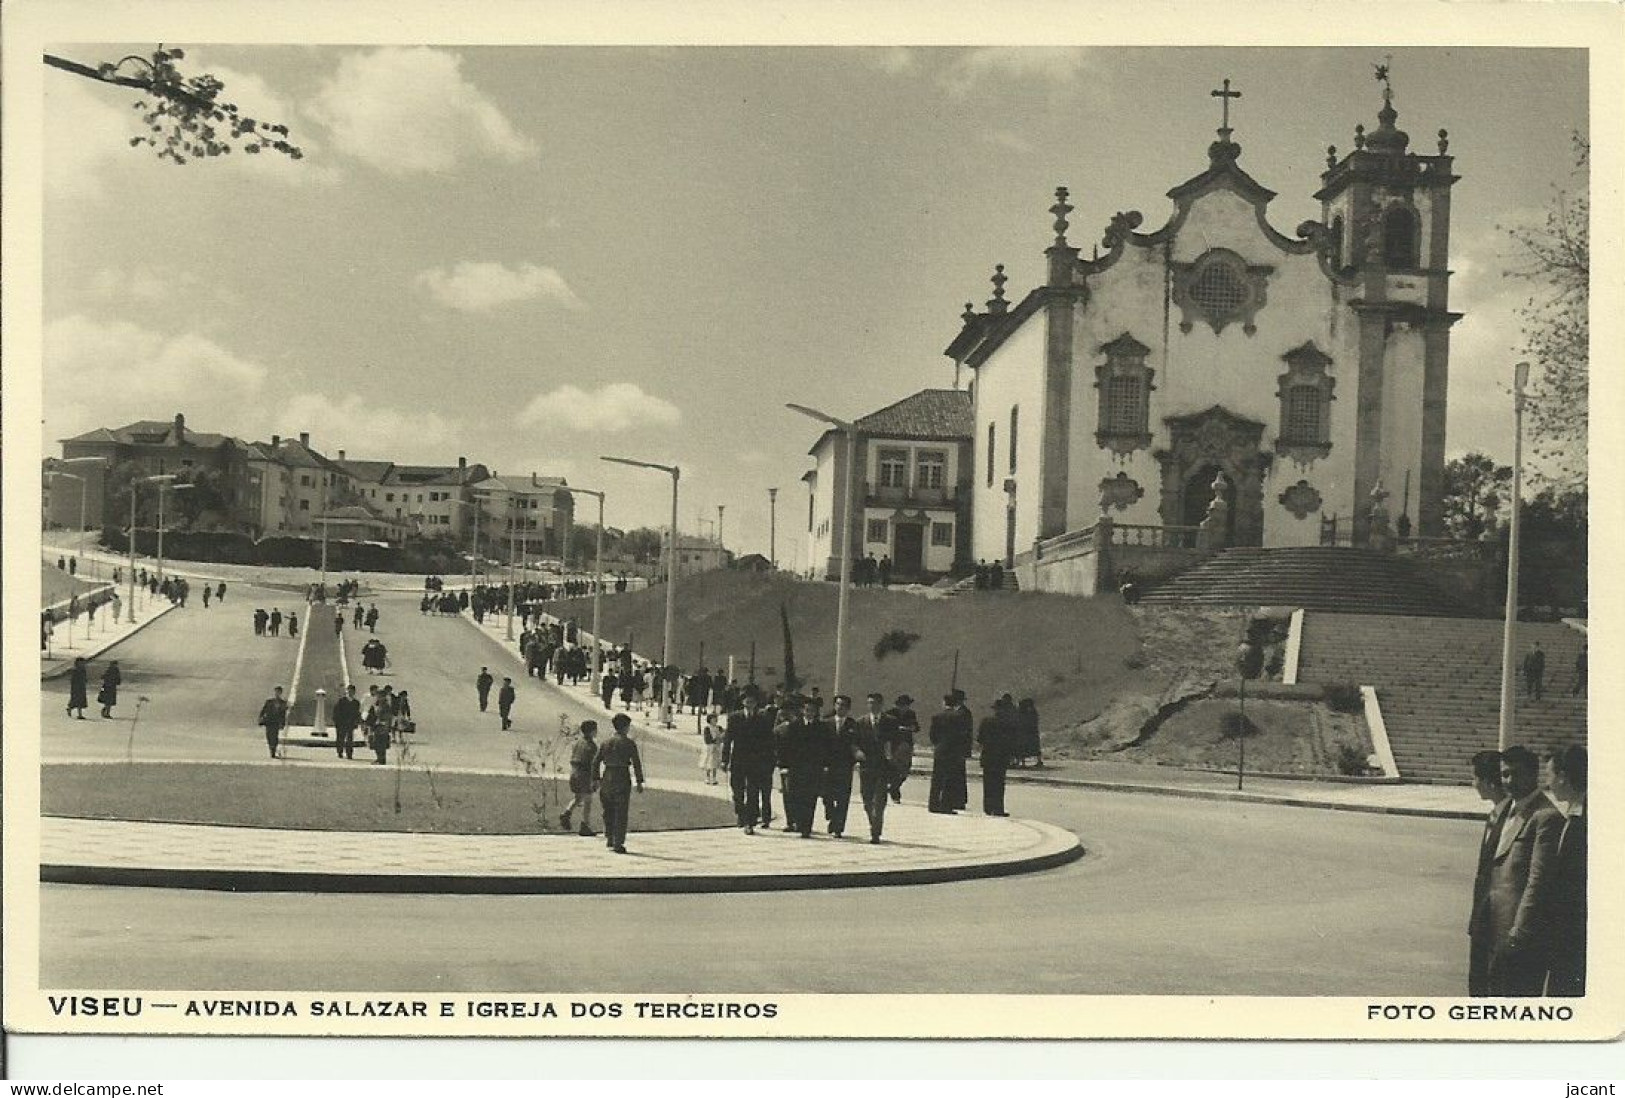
(534, 510)
(1298, 378)
(911, 488)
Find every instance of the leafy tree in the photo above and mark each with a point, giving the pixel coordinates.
(185, 116)
(1556, 327)
(1474, 489)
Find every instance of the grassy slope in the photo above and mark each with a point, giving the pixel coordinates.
(56, 585)
(1068, 654)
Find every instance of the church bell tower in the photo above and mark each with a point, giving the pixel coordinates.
(1387, 214)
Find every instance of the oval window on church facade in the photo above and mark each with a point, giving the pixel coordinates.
(1219, 288)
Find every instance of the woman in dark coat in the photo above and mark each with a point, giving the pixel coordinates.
(112, 678)
(1029, 746)
(78, 685)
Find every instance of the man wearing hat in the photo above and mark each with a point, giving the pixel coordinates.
(902, 725)
(616, 765)
(801, 757)
(505, 699)
(950, 737)
(837, 782)
(996, 737)
(583, 762)
(747, 755)
(869, 747)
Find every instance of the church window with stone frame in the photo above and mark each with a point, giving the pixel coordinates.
(1014, 410)
(991, 440)
(942, 535)
(1400, 238)
(1123, 423)
(894, 468)
(1219, 287)
(876, 530)
(1305, 393)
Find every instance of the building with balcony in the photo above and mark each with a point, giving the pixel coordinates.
(911, 488)
(535, 509)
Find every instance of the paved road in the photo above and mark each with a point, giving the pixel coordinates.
(1176, 896)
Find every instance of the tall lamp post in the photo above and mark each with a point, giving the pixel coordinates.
(671, 576)
(721, 553)
(1509, 634)
(598, 584)
(846, 529)
(773, 528)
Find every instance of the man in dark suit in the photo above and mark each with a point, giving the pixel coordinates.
(505, 699)
(837, 787)
(950, 732)
(346, 719)
(871, 749)
(1487, 781)
(996, 736)
(801, 755)
(482, 686)
(1566, 776)
(1522, 877)
(747, 755)
(273, 718)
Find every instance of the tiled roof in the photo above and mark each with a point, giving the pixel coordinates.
(150, 432)
(518, 484)
(371, 471)
(929, 413)
(425, 474)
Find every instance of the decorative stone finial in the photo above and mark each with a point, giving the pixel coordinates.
(1331, 156)
(1444, 142)
(969, 314)
(1060, 210)
(1359, 136)
(997, 303)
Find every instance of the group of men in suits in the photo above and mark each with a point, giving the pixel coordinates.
(1528, 924)
(817, 758)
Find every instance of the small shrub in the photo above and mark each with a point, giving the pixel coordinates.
(1350, 760)
(1234, 725)
(898, 640)
(1344, 697)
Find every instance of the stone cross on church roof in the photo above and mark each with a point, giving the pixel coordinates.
(1224, 97)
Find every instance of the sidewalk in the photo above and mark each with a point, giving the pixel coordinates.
(103, 635)
(1390, 798)
(919, 848)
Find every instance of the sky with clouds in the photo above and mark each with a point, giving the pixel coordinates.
(534, 256)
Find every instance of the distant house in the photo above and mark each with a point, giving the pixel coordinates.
(535, 508)
(427, 500)
(912, 487)
(753, 562)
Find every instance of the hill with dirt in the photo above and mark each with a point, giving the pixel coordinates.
(1072, 656)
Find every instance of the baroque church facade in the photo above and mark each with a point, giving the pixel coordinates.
(1295, 375)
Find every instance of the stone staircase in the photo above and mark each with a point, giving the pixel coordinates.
(1353, 581)
(1438, 681)
(950, 587)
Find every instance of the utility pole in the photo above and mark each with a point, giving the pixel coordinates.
(773, 527)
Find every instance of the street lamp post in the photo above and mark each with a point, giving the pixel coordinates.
(671, 577)
(846, 530)
(773, 528)
(720, 550)
(1509, 633)
(597, 586)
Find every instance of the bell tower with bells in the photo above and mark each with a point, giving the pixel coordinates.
(1386, 211)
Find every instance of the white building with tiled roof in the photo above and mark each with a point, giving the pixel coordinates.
(911, 486)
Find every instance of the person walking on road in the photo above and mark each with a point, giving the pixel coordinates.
(874, 767)
(360, 616)
(903, 726)
(747, 755)
(1487, 781)
(996, 736)
(837, 783)
(950, 734)
(220, 592)
(276, 621)
(346, 719)
(482, 686)
(293, 624)
(616, 766)
(801, 755)
(505, 700)
(710, 749)
(338, 624)
(1534, 672)
(206, 594)
(1523, 879)
(273, 718)
(108, 696)
(78, 688)
(583, 779)
(372, 618)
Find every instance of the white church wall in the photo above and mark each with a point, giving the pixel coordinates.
(1013, 376)
(824, 537)
(1402, 419)
(1197, 369)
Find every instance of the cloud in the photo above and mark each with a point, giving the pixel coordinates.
(140, 284)
(1055, 65)
(1484, 345)
(366, 429)
(481, 287)
(91, 365)
(85, 125)
(1008, 140)
(618, 406)
(410, 110)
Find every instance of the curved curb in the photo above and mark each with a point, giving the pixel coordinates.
(1058, 847)
(256, 881)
